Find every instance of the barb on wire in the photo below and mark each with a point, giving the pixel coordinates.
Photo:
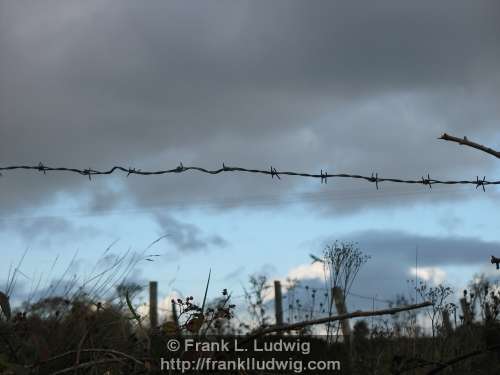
(375, 179)
(427, 181)
(480, 182)
(274, 172)
(323, 175)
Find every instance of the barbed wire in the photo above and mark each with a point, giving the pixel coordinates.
(272, 171)
(327, 291)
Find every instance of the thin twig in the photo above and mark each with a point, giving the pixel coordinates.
(466, 142)
(138, 318)
(79, 350)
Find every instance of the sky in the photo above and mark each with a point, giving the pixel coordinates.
(347, 87)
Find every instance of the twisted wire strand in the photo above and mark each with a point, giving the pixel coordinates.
(273, 172)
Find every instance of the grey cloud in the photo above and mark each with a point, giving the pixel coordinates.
(451, 222)
(302, 86)
(393, 255)
(395, 247)
(186, 236)
(48, 232)
(235, 274)
(105, 199)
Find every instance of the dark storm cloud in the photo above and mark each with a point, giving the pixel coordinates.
(294, 84)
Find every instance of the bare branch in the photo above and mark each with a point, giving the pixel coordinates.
(466, 142)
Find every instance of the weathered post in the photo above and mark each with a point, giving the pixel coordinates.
(278, 303)
(153, 304)
(175, 317)
(446, 322)
(338, 297)
(466, 311)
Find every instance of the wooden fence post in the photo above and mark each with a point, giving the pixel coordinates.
(278, 303)
(338, 297)
(175, 317)
(466, 311)
(153, 304)
(446, 322)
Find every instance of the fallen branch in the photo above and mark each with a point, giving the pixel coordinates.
(462, 358)
(328, 319)
(420, 364)
(88, 364)
(466, 142)
(104, 351)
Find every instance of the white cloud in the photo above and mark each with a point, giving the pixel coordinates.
(435, 275)
(301, 272)
(307, 271)
(164, 308)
